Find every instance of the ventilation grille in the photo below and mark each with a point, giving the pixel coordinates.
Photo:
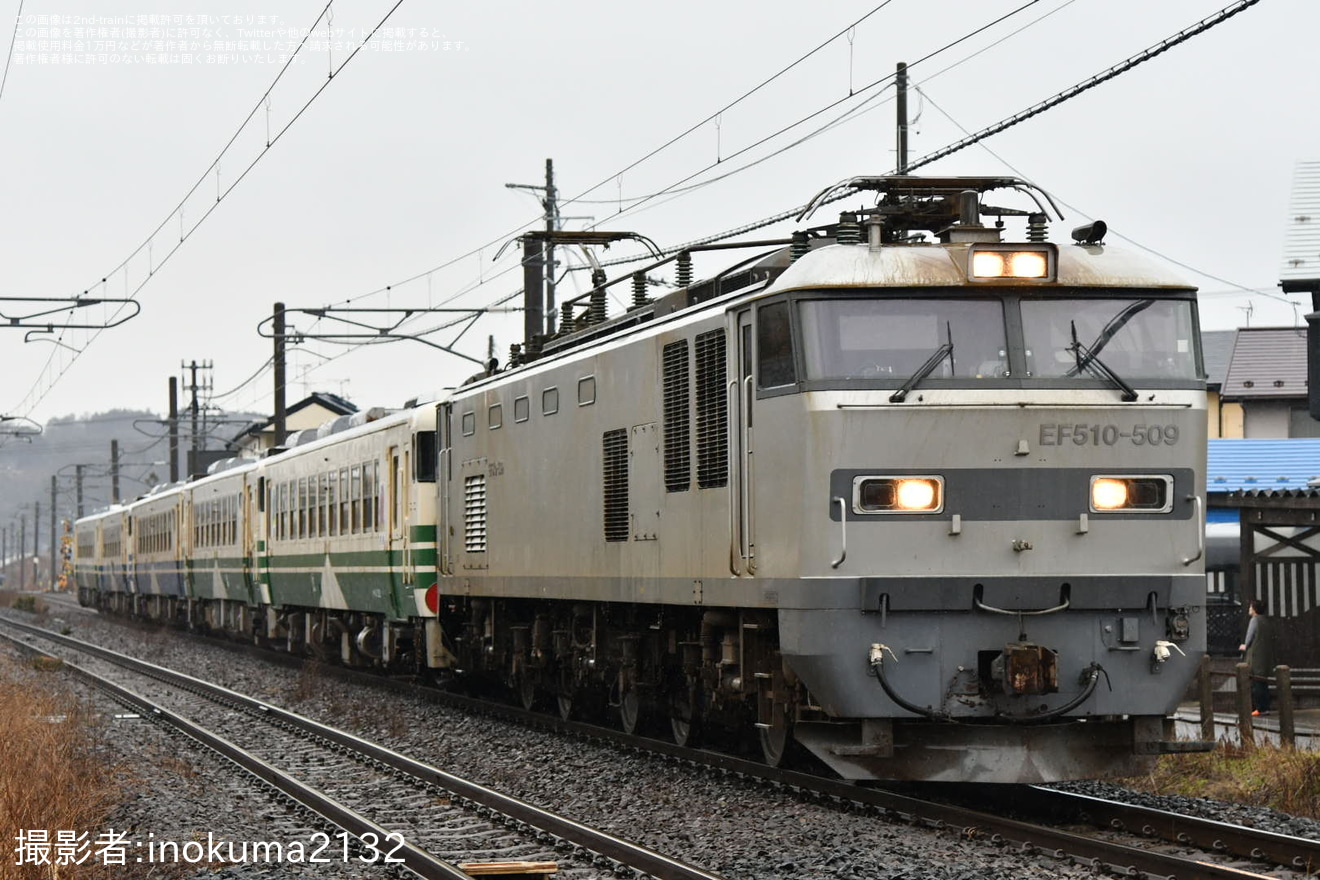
(712, 412)
(474, 513)
(678, 429)
(615, 481)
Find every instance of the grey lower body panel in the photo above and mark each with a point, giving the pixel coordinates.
(926, 752)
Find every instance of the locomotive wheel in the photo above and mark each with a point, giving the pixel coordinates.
(630, 711)
(776, 740)
(683, 718)
(526, 692)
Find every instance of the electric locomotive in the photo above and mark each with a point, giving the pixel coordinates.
(919, 497)
(924, 500)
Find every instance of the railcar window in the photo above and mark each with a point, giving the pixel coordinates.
(586, 391)
(356, 505)
(1143, 339)
(469, 424)
(774, 347)
(322, 493)
(332, 504)
(549, 401)
(521, 409)
(345, 502)
(424, 450)
(496, 416)
(887, 340)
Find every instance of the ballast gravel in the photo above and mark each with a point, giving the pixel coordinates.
(730, 827)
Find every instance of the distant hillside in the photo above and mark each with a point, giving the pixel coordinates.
(26, 466)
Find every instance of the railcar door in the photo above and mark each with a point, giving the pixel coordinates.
(443, 476)
(742, 485)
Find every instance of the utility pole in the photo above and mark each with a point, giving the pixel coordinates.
(281, 412)
(901, 81)
(174, 429)
(114, 471)
(77, 482)
(195, 410)
(22, 551)
(36, 544)
(551, 204)
(539, 261)
(54, 545)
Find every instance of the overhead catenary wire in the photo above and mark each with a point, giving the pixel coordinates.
(13, 44)
(37, 393)
(1112, 231)
(1036, 109)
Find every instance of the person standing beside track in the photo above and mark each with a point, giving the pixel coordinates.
(1258, 652)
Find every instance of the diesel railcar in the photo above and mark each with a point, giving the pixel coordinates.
(918, 497)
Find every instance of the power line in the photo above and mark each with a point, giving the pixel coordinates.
(36, 388)
(1113, 232)
(1159, 48)
(13, 42)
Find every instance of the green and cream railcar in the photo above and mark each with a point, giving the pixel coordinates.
(346, 549)
(220, 553)
(157, 569)
(99, 562)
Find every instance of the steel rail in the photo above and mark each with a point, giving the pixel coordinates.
(1281, 849)
(967, 822)
(622, 851)
(420, 862)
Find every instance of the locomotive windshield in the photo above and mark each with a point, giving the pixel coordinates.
(903, 341)
(892, 338)
(1139, 340)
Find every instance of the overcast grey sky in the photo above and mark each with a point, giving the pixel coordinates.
(399, 165)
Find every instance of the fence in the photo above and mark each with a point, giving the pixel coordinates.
(1286, 683)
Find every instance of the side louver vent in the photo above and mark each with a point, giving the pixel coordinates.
(474, 513)
(615, 480)
(678, 417)
(712, 412)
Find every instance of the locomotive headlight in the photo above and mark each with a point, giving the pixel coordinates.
(1109, 494)
(1012, 261)
(875, 494)
(1131, 494)
(918, 494)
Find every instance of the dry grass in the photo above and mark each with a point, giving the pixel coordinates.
(50, 777)
(1287, 780)
(22, 602)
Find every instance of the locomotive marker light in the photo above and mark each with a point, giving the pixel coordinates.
(1131, 494)
(1034, 262)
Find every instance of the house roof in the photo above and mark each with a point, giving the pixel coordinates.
(1217, 349)
(1262, 466)
(1267, 362)
(333, 402)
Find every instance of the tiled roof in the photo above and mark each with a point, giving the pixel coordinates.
(1262, 466)
(1217, 348)
(1267, 362)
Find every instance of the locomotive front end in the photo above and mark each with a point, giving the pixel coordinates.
(972, 472)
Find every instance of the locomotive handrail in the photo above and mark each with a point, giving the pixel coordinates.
(843, 525)
(748, 483)
(735, 502)
(1200, 531)
(1021, 612)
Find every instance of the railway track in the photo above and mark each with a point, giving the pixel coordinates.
(1228, 850)
(428, 819)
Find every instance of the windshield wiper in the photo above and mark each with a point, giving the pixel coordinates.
(944, 351)
(1110, 330)
(1088, 359)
